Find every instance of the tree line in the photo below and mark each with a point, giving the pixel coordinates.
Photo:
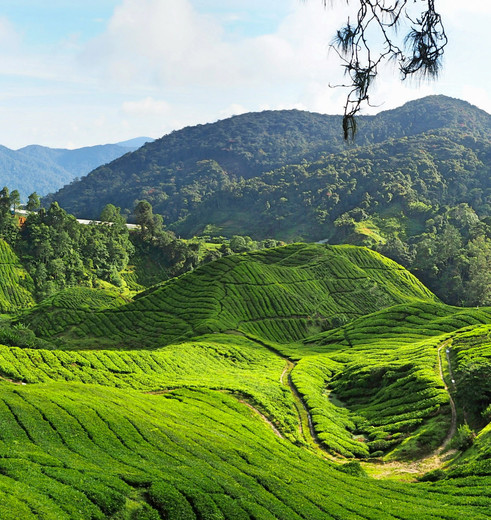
(60, 252)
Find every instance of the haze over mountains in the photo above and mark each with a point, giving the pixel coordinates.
(232, 174)
(43, 169)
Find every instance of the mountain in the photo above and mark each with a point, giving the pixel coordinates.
(187, 172)
(42, 169)
(381, 181)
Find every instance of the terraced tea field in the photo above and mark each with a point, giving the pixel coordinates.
(281, 295)
(16, 285)
(251, 388)
(185, 454)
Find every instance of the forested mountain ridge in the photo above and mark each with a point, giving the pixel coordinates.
(42, 169)
(181, 170)
(405, 176)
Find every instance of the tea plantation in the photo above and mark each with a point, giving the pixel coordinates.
(16, 285)
(266, 385)
(282, 295)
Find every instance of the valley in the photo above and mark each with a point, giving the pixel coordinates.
(261, 385)
(210, 361)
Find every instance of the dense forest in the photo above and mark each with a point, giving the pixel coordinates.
(59, 252)
(178, 173)
(416, 186)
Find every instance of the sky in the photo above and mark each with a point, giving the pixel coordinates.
(77, 73)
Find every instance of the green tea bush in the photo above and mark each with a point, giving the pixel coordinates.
(463, 439)
(16, 286)
(278, 294)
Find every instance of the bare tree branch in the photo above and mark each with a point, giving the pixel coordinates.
(419, 53)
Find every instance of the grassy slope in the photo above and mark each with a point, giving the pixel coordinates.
(187, 430)
(16, 285)
(283, 295)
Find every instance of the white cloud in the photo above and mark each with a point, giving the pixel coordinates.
(8, 34)
(155, 43)
(480, 7)
(479, 96)
(168, 44)
(235, 109)
(158, 65)
(145, 107)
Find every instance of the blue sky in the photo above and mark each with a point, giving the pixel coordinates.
(81, 72)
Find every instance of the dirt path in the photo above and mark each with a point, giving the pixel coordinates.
(305, 425)
(12, 381)
(263, 417)
(453, 423)
(288, 368)
(396, 469)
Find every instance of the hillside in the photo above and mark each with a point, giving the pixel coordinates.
(403, 178)
(187, 173)
(264, 385)
(44, 170)
(16, 286)
(282, 295)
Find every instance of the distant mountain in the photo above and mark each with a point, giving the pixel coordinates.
(42, 169)
(205, 174)
(136, 142)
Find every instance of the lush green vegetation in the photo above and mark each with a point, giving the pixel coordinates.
(72, 451)
(471, 356)
(381, 382)
(178, 173)
(249, 386)
(416, 186)
(58, 252)
(16, 286)
(162, 378)
(281, 294)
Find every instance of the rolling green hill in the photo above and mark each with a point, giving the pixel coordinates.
(186, 454)
(415, 186)
(282, 294)
(259, 386)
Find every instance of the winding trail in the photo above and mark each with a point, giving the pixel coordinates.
(435, 459)
(13, 381)
(453, 423)
(263, 417)
(305, 424)
(395, 469)
(431, 461)
(243, 401)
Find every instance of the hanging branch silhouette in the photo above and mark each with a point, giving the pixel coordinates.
(418, 54)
